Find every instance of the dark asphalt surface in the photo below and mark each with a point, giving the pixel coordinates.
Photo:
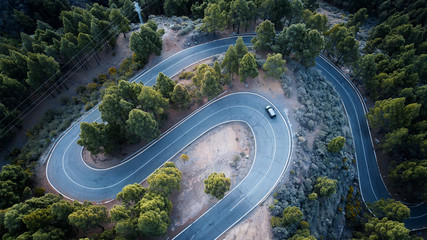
(70, 176)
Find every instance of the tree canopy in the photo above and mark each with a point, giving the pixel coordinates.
(166, 179)
(336, 144)
(302, 43)
(265, 36)
(325, 186)
(275, 65)
(217, 184)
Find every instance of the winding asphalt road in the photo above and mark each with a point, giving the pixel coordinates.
(71, 177)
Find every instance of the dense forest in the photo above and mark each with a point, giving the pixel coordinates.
(44, 42)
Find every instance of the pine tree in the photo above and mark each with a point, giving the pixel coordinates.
(248, 67)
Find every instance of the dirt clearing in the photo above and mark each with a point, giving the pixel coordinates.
(228, 148)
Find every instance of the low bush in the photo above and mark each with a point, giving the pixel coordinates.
(186, 75)
(322, 113)
(186, 30)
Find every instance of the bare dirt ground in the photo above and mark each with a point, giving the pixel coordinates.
(255, 226)
(228, 148)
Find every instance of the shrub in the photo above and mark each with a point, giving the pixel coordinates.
(102, 78)
(312, 197)
(325, 186)
(80, 90)
(186, 30)
(184, 158)
(186, 75)
(88, 106)
(176, 27)
(161, 32)
(39, 191)
(92, 87)
(304, 225)
(112, 70)
(336, 144)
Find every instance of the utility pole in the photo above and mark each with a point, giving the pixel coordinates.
(138, 10)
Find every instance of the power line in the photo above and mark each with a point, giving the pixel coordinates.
(65, 65)
(74, 57)
(23, 114)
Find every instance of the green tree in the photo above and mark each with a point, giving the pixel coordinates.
(127, 228)
(145, 42)
(302, 43)
(94, 136)
(385, 229)
(335, 35)
(248, 67)
(336, 144)
(38, 219)
(119, 212)
(312, 196)
(411, 176)
(214, 20)
(358, 18)
(68, 48)
(40, 69)
(392, 113)
(303, 234)
(231, 61)
(131, 194)
(391, 209)
(151, 24)
(312, 5)
(210, 85)
(239, 14)
(315, 20)
(180, 95)
(164, 85)
(142, 124)
(49, 233)
(396, 140)
(114, 109)
(129, 91)
(154, 214)
(294, 15)
(120, 22)
(12, 92)
(275, 65)
(366, 67)
(199, 76)
(164, 180)
(8, 196)
(84, 42)
(16, 174)
(217, 184)
(152, 101)
(60, 210)
(325, 186)
(175, 7)
(15, 65)
(217, 70)
(291, 215)
(347, 49)
(265, 36)
(198, 9)
(152, 223)
(88, 217)
(240, 48)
